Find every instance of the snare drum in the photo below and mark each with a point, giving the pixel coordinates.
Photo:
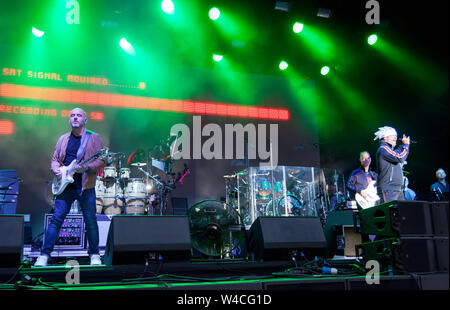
(135, 197)
(124, 173)
(109, 172)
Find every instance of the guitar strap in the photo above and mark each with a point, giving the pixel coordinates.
(82, 148)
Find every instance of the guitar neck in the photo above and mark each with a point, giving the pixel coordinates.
(95, 156)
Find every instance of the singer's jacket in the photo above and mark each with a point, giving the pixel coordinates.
(389, 166)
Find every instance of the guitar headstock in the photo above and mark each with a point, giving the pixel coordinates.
(102, 153)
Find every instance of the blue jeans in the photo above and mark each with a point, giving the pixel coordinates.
(63, 204)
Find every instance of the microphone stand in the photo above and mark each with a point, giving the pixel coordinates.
(161, 187)
(118, 185)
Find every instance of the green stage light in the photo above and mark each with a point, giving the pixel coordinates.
(214, 13)
(372, 39)
(298, 27)
(324, 70)
(37, 33)
(217, 57)
(167, 6)
(283, 65)
(126, 46)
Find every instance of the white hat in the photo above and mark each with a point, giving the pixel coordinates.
(385, 132)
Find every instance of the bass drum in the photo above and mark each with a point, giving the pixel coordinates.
(293, 207)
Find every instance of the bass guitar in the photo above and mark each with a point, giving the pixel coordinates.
(371, 198)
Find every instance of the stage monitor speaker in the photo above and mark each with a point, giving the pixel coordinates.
(397, 219)
(408, 254)
(278, 238)
(135, 239)
(11, 240)
(340, 235)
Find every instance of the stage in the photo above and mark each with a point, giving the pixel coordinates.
(206, 275)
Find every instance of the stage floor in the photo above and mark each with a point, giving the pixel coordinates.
(205, 275)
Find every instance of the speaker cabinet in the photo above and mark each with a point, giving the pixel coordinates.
(397, 219)
(11, 240)
(408, 254)
(133, 239)
(276, 238)
(439, 213)
(340, 233)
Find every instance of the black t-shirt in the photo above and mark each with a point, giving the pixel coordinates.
(71, 154)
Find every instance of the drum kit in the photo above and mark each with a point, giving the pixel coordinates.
(118, 193)
(264, 193)
(272, 199)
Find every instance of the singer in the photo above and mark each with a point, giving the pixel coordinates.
(390, 162)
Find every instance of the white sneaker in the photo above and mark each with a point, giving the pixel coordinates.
(95, 259)
(41, 261)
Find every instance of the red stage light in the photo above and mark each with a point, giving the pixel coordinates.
(6, 127)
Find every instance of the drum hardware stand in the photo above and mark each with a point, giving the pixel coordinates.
(119, 185)
(159, 183)
(274, 207)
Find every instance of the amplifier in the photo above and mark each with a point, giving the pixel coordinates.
(8, 204)
(72, 233)
(9, 182)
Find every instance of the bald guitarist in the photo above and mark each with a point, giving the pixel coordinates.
(70, 163)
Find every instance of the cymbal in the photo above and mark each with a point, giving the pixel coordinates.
(139, 164)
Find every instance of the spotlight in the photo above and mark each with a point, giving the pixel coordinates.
(37, 33)
(282, 6)
(325, 70)
(167, 6)
(214, 13)
(217, 57)
(325, 13)
(372, 39)
(298, 27)
(283, 65)
(126, 46)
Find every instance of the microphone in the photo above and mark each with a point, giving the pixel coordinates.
(410, 141)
